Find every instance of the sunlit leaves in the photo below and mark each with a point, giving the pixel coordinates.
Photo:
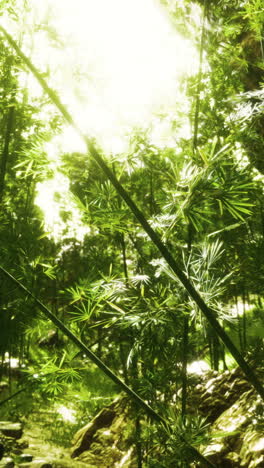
(174, 447)
(88, 300)
(203, 267)
(54, 375)
(35, 163)
(77, 293)
(211, 181)
(254, 12)
(50, 270)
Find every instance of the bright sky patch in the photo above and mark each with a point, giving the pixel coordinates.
(114, 64)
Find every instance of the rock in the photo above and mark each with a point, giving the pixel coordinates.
(25, 458)
(242, 441)
(22, 444)
(215, 452)
(107, 439)
(217, 392)
(16, 451)
(233, 458)
(257, 463)
(252, 451)
(84, 437)
(39, 463)
(11, 429)
(109, 458)
(7, 462)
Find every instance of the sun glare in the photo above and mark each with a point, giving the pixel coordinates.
(62, 217)
(67, 414)
(120, 64)
(198, 367)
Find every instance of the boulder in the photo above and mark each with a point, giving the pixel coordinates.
(239, 441)
(40, 463)
(217, 392)
(25, 458)
(106, 440)
(84, 437)
(7, 462)
(11, 429)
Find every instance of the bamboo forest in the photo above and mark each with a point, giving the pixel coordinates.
(131, 233)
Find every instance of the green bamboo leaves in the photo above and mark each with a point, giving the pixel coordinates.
(208, 313)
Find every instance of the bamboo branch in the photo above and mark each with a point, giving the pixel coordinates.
(107, 371)
(5, 153)
(208, 313)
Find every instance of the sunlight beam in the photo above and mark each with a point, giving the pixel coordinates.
(121, 62)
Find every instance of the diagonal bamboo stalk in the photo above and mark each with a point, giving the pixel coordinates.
(66, 331)
(5, 153)
(129, 391)
(208, 313)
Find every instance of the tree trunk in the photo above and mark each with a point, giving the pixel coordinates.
(244, 320)
(185, 343)
(5, 154)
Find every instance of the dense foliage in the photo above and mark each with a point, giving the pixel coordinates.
(113, 289)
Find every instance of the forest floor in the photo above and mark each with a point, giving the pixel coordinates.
(38, 435)
(226, 399)
(45, 442)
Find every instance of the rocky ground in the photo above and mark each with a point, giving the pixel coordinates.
(98, 444)
(25, 447)
(237, 416)
(235, 411)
